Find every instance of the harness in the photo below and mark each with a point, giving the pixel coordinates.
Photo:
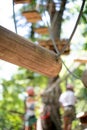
(47, 115)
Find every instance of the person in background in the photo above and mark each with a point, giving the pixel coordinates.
(67, 101)
(30, 118)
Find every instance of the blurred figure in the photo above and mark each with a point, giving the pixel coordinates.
(30, 118)
(67, 101)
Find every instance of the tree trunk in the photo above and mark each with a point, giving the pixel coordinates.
(51, 96)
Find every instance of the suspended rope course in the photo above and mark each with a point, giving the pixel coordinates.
(59, 53)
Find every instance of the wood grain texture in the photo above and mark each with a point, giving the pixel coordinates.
(20, 51)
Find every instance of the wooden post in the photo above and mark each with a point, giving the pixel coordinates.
(20, 51)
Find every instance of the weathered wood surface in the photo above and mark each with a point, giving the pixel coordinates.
(20, 51)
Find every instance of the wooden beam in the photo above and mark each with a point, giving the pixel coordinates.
(20, 51)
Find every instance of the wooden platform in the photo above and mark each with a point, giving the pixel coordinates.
(22, 1)
(41, 30)
(59, 44)
(80, 60)
(32, 16)
(22, 52)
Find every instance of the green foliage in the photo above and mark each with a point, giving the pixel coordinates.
(78, 71)
(82, 97)
(84, 15)
(85, 46)
(12, 105)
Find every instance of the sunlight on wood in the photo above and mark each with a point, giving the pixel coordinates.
(20, 51)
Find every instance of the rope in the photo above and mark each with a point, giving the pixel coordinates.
(75, 76)
(79, 16)
(50, 32)
(62, 51)
(51, 36)
(14, 18)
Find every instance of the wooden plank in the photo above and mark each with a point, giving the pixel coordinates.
(20, 51)
(22, 1)
(32, 16)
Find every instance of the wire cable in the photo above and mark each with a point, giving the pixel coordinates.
(62, 51)
(74, 75)
(77, 77)
(79, 16)
(51, 36)
(14, 18)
